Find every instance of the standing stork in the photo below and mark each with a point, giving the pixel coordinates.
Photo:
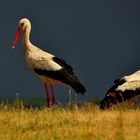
(48, 67)
(123, 89)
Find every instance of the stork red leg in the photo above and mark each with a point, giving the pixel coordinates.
(52, 91)
(47, 94)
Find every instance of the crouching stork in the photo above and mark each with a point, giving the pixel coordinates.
(123, 89)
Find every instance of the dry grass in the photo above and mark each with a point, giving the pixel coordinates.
(85, 123)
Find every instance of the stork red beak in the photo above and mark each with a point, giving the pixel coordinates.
(19, 31)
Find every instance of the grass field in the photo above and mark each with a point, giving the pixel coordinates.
(84, 123)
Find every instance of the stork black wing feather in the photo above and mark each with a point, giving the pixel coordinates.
(63, 64)
(65, 75)
(119, 81)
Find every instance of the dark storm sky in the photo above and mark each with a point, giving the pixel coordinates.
(100, 39)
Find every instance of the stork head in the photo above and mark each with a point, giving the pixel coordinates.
(23, 25)
(109, 100)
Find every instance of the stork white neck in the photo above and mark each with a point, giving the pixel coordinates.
(26, 36)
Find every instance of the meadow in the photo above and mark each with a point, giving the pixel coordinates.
(58, 123)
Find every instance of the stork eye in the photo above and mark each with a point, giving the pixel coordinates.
(22, 24)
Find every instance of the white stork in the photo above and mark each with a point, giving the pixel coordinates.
(123, 89)
(48, 67)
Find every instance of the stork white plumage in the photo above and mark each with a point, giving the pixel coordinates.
(48, 67)
(123, 89)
